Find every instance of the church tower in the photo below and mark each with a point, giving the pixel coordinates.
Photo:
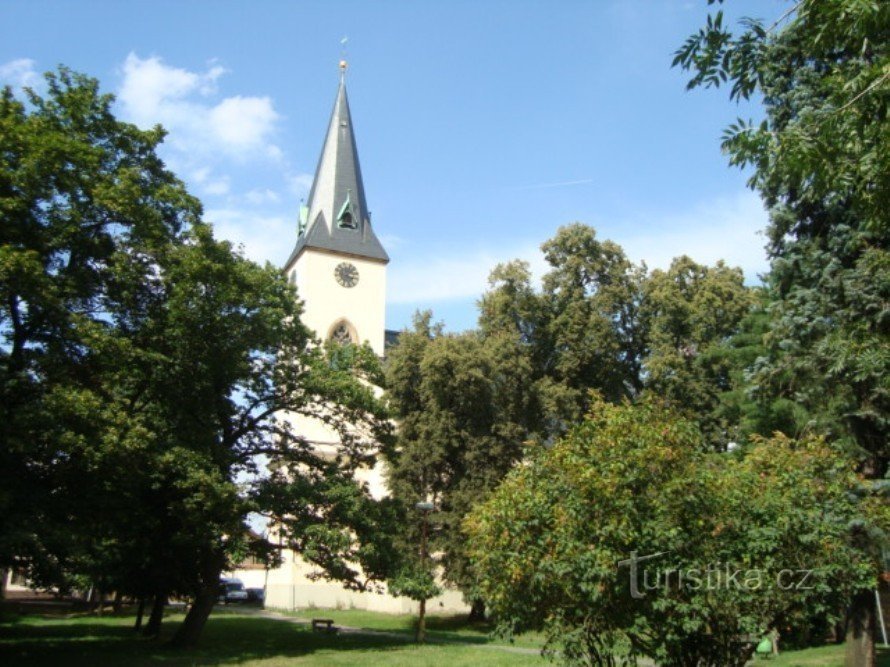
(338, 264)
(339, 268)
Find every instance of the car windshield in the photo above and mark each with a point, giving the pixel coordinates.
(234, 587)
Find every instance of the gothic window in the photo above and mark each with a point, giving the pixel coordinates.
(342, 334)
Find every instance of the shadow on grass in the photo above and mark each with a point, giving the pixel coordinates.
(227, 639)
(447, 628)
(457, 628)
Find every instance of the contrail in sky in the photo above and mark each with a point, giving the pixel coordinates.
(558, 184)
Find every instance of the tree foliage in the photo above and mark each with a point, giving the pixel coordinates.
(601, 323)
(471, 407)
(463, 405)
(88, 210)
(551, 545)
(820, 161)
(688, 312)
(145, 367)
(581, 331)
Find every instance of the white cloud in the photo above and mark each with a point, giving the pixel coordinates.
(208, 83)
(260, 235)
(219, 186)
(262, 196)
(299, 184)
(725, 229)
(209, 183)
(243, 122)
(424, 280)
(153, 92)
(20, 73)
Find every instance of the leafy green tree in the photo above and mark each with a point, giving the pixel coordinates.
(746, 409)
(554, 546)
(688, 312)
(820, 161)
(145, 367)
(582, 331)
(600, 323)
(87, 208)
(228, 358)
(462, 403)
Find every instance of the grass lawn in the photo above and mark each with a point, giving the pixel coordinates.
(237, 638)
(438, 626)
(823, 656)
(229, 638)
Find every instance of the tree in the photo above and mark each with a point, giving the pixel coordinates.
(87, 208)
(582, 331)
(600, 323)
(820, 161)
(745, 409)
(463, 403)
(153, 362)
(688, 312)
(624, 539)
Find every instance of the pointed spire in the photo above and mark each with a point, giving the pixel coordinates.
(337, 218)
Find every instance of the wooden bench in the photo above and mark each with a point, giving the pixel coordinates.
(323, 625)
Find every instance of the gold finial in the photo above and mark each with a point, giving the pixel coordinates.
(343, 64)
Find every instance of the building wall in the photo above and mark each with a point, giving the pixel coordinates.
(289, 587)
(327, 302)
(363, 306)
(251, 577)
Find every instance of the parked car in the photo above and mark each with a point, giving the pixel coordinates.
(232, 590)
(256, 595)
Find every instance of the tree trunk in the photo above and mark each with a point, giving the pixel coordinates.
(140, 610)
(4, 575)
(477, 611)
(153, 627)
(118, 602)
(421, 623)
(190, 630)
(861, 632)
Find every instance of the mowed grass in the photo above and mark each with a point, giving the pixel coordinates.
(822, 656)
(229, 638)
(236, 638)
(438, 626)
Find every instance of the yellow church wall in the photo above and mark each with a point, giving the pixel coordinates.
(289, 587)
(362, 308)
(327, 302)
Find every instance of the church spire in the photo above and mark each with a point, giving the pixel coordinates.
(336, 216)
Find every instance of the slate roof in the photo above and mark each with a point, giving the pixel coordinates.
(338, 188)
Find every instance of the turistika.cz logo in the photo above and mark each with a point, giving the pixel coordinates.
(712, 576)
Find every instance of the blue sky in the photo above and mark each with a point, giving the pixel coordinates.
(482, 126)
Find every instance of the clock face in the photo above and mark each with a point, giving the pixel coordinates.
(346, 274)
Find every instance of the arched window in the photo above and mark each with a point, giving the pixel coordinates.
(343, 332)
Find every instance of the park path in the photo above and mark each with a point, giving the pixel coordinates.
(401, 636)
